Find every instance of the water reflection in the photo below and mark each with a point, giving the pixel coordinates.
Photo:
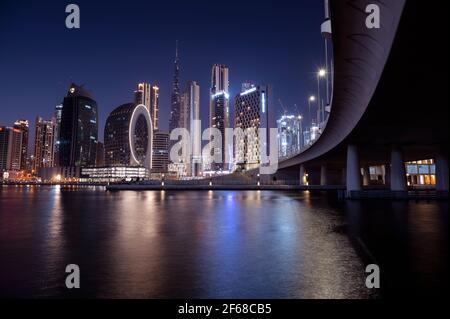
(214, 244)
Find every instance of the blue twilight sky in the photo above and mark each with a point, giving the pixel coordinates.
(121, 43)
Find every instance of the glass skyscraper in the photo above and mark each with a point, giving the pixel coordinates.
(23, 126)
(44, 140)
(78, 134)
(128, 136)
(174, 121)
(219, 111)
(290, 135)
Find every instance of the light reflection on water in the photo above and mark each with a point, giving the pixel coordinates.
(214, 244)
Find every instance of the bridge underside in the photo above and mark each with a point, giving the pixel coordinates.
(408, 109)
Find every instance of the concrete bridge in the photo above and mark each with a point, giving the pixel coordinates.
(389, 101)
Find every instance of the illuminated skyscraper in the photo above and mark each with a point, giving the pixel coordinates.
(10, 149)
(174, 121)
(79, 129)
(290, 135)
(253, 111)
(160, 159)
(43, 144)
(142, 94)
(128, 136)
(190, 120)
(219, 111)
(23, 126)
(154, 106)
(148, 95)
(58, 115)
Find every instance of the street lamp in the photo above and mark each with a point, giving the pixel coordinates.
(320, 74)
(300, 140)
(311, 99)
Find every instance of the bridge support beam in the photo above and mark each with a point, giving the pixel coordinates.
(344, 176)
(442, 179)
(302, 175)
(323, 175)
(353, 170)
(398, 171)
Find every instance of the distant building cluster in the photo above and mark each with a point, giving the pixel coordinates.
(67, 148)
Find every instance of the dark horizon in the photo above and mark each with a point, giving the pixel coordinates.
(256, 40)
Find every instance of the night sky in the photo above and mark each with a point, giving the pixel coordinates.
(121, 43)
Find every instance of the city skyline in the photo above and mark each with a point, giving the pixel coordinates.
(196, 55)
(235, 157)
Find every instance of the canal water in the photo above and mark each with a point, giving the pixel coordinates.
(217, 244)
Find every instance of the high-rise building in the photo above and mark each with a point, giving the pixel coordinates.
(253, 111)
(43, 144)
(23, 126)
(58, 116)
(160, 159)
(174, 121)
(154, 106)
(10, 149)
(78, 134)
(128, 136)
(290, 135)
(190, 120)
(148, 95)
(219, 111)
(142, 95)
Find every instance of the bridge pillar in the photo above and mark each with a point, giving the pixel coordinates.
(323, 175)
(353, 179)
(386, 174)
(302, 175)
(366, 175)
(442, 172)
(398, 171)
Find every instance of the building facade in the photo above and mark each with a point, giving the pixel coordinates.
(290, 135)
(160, 159)
(190, 120)
(10, 149)
(23, 126)
(421, 173)
(57, 116)
(113, 174)
(128, 136)
(148, 95)
(174, 120)
(43, 144)
(79, 129)
(219, 111)
(253, 110)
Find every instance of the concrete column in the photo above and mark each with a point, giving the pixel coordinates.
(366, 176)
(398, 171)
(442, 172)
(302, 175)
(344, 176)
(353, 170)
(323, 175)
(387, 174)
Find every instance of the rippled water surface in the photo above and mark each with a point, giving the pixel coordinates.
(221, 244)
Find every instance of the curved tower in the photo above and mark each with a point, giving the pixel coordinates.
(129, 136)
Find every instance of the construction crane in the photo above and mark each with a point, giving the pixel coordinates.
(282, 106)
